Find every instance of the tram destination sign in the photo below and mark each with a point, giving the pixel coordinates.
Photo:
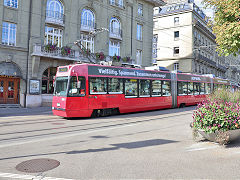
(122, 72)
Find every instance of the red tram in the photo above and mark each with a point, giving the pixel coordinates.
(84, 90)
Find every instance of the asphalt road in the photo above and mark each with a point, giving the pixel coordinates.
(149, 145)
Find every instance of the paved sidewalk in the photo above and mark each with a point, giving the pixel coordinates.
(4, 112)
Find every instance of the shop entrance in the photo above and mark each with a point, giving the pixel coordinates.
(9, 90)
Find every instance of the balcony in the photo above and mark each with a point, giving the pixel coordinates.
(211, 62)
(55, 17)
(57, 53)
(115, 33)
(87, 25)
(221, 67)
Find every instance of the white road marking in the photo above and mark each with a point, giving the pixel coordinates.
(202, 146)
(26, 177)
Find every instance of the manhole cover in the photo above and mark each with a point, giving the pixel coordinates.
(37, 165)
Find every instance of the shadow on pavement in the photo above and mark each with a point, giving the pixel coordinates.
(128, 145)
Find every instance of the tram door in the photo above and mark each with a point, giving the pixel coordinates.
(9, 90)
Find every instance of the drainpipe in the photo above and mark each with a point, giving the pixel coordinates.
(131, 30)
(28, 49)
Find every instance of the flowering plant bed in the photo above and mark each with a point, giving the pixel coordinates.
(50, 47)
(100, 56)
(65, 50)
(217, 116)
(116, 58)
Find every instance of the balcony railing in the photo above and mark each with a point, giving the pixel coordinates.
(201, 57)
(55, 17)
(87, 25)
(115, 33)
(221, 67)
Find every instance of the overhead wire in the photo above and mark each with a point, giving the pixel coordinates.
(113, 9)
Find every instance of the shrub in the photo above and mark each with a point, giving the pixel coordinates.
(220, 112)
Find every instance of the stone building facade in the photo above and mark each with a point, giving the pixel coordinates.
(184, 42)
(37, 36)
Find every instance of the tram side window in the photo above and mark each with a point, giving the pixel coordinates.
(190, 88)
(115, 86)
(77, 86)
(208, 88)
(182, 88)
(166, 88)
(202, 88)
(156, 88)
(196, 87)
(98, 86)
(131, 87)
(144, 88)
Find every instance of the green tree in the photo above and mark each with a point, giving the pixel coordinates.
(226, 25)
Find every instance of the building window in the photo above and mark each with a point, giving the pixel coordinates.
(47, 80)
(120, 3)
(139, 57)
(53, 36)
(112, 2)
(139, 32)
(176, 20)
(176, 51)
(9, 34)
(11, 3)
(114, 48)
(155, 40)
(54, 11)
(140, 9)
(176, 66)
(87, 19)
(115, 27)
(176, 35)
(87, 42)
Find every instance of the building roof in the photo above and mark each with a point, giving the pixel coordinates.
(182, 7)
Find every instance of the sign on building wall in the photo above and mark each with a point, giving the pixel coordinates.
(34, 86)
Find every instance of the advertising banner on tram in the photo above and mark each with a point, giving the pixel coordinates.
(124, 72)
(193, 78)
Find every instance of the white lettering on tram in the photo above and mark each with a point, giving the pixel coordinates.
(130, 73)
(108, 71)
(196, 78)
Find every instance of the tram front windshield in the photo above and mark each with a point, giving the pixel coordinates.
(61, 86)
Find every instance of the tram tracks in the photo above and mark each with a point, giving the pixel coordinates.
(46, 134)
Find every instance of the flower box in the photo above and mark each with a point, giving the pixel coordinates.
(218, 118)
(221, 137)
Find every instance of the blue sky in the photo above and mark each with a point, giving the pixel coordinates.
(208, 11)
